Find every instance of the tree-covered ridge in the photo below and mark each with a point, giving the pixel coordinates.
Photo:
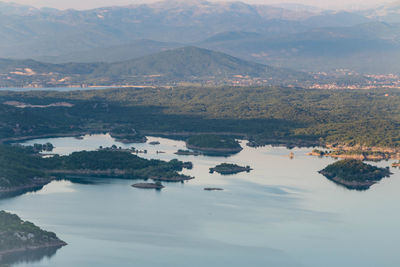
(264, 114)
(18, 168)
(187, 64)
(17, 235)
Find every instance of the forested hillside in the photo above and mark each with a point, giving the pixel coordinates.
(266, 114)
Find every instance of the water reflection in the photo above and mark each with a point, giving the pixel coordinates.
(16, 193)
(30, 256)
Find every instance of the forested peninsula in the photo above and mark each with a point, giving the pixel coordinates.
(22, 169)
(17, 236)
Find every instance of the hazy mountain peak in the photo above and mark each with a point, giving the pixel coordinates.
(387, 12)
(16, 9)
(299, 7)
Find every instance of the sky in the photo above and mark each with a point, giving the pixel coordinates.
(87, 4)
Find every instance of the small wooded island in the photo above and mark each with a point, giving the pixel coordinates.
(213, 189)
(126, 134)
(20, 236)
(157, 185)
(23, 169)
(354, 174)
(214, 144)
(227, 168)
(182, 152)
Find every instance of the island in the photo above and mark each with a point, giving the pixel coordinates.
(154, 143)
(18, 236)
(354, 174)
(22, 169)
(213, 189)
(214, 144)
(127, 134)
(157, 185)
(187, 153)
(227, 168)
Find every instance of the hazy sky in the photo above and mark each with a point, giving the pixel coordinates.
(86, 4)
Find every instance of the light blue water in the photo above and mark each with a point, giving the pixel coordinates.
(283, 213)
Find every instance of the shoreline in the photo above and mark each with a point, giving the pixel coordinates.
(352, 185)
(40, 183)
(115, 173)
(389, 152)
(57, 244)
(389, 156)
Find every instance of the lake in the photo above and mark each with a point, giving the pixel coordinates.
(283, 213)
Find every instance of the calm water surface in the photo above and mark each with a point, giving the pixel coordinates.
(283, 213)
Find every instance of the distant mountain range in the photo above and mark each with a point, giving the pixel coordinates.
(368, 48)
(286, 36)
(388, 13)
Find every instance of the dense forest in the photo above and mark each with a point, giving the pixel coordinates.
(265, 115)
(20, 167)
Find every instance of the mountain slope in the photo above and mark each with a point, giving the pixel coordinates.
(321, 49)
(189, 61)
(188, 64)
(135, 49)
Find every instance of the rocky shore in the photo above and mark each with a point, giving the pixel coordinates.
(359, 153)
(17, 236)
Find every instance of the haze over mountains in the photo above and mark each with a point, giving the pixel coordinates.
(287, 36)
